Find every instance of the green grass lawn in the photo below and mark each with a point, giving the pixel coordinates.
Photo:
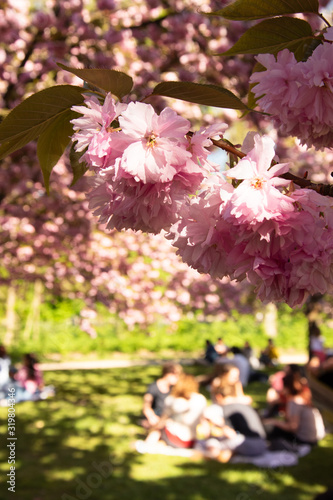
(77, 446)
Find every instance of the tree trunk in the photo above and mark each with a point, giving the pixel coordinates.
(10, 316)
(270, 320)
(32, 325)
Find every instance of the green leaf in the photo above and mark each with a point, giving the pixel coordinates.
(273, 35)
(207, 95)
(110, 80)
(247, 10)
(12, 145)
(53, 141)
(79, 168)
(30, 118)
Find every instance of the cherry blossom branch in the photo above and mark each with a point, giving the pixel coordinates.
(323, 189)
(325, 20)
(226, 146)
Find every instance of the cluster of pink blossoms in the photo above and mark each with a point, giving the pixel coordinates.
(299, 95)
(146, 165)
(148, 170)
(281, 242)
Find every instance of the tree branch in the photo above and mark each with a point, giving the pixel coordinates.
(29, 50)
(323, 189)
(228, 147)
(325, 20)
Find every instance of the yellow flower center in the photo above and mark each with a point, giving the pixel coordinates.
(151, 140)
(257, 183)
(111, 129)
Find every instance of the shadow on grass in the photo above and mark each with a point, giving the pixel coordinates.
(77, 446)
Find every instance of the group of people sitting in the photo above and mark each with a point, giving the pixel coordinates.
(178, 415)
(268, 356)
(26, 379)
(243, 358)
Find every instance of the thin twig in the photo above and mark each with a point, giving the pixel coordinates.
(228, 147)
(323, 189)
(29, 51)
(325, 20)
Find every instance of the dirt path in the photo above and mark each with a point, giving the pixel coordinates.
(284, 359)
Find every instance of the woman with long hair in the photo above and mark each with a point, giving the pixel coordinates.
(237, 410)
(226, 378)
(183, 409)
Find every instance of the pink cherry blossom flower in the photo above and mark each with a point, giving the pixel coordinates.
(128, 204)
(156, 149)
(196, 235)
(297, 259)
(149, 167)
(277, 87)
(315, 100)
(282, 244)
(328, 35)
(257, 197)
(93, 130)
(298, 95)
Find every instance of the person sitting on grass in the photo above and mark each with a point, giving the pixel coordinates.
(220, 441)
(215, 438)
(220, 347)
(238, 359)
(183, 409)
(5, 363)
(247, 350)
(269, 356)
(211, 354)
(227, 375)
(276, 397)
(227, 392)
(303, 424)
(28, 382)
(154, 398)
(29, 379)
